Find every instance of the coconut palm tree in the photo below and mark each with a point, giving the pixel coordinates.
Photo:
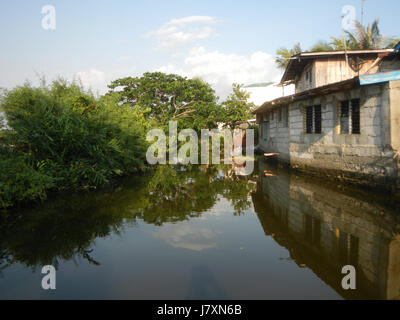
(369, 37)
(322, 46)
(363, 38)
(284, 55)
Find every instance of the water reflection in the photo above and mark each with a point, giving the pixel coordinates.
(186, 236)
(324, 229)
(204, 285)
(67, 228)
(198, 221)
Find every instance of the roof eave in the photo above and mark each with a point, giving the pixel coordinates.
(330, 88)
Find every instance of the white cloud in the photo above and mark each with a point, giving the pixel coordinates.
(192, 19)
(182, 31)
(221, 70)
(98, 80)
(271, 92)
(93, 79)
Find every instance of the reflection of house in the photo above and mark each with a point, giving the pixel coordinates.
(344, 117)
(324, 230)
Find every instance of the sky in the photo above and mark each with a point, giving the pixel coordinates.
(222, 42)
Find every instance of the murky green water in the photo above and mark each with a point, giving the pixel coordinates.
(205, 234)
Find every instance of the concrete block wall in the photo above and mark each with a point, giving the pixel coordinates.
(278, 141)
(370, 158)
(361, 157)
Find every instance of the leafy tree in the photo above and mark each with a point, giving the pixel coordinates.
(237, 108)
(322, 46)
(164, 97)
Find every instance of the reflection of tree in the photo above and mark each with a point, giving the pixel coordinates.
(237, 190)
(171, 196)
(5, 260)
(59, 231)
(67, 228)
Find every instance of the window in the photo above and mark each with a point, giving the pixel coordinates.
(309, 119)
(286, 117)
(312, 229)
(283, 116)
(344, 117)
(349, 117)
(309, 77)
(348, 247)
(265, 130)
(355, 116)
(272, 116)
(317, 119)
(313, 119)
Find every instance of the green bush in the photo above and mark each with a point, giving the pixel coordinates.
(67, 139)
(20, 181)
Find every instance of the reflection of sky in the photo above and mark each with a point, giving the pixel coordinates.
(185, 235)
(197, 234)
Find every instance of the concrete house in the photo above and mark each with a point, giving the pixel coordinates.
(344, 118)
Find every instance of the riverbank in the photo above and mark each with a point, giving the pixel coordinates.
(381, 184)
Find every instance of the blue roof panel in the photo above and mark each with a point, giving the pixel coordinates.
(379, 77)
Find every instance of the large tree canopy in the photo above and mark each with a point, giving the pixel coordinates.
(165, 97)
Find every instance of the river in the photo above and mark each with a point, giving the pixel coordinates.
(205, 233)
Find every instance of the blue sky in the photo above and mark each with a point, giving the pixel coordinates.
(220, 41)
